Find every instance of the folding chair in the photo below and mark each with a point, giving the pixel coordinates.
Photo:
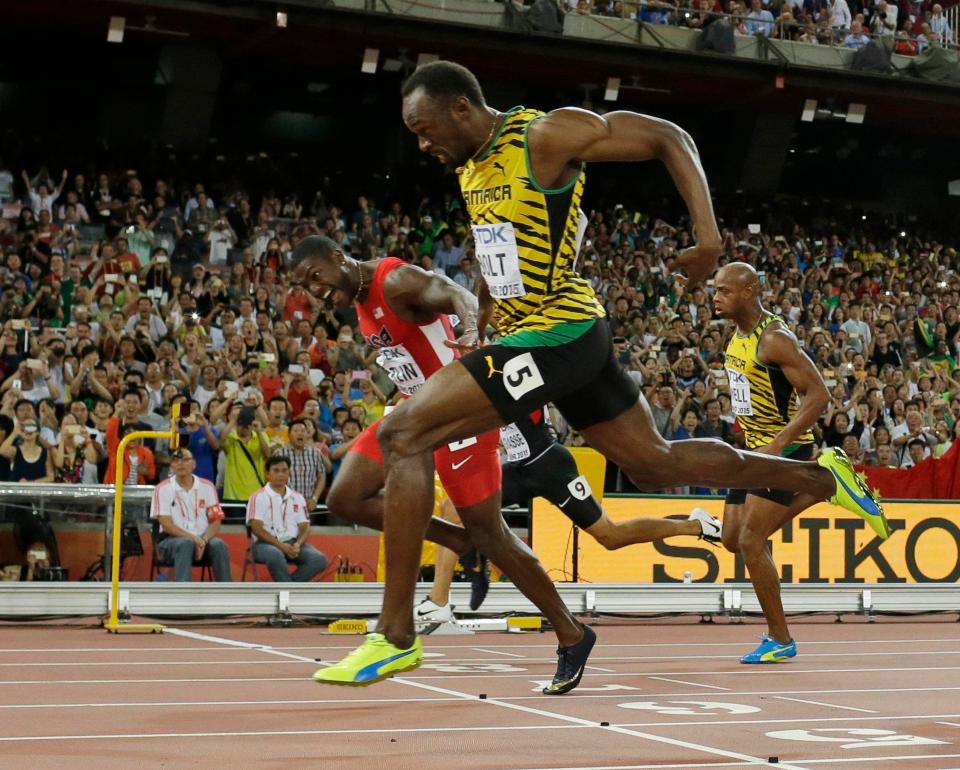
(157, 562)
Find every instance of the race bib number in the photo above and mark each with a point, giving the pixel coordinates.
(496, 248)
(401, 369)
(521, 375)
(579, 488)
(740, 393)
(514, 443)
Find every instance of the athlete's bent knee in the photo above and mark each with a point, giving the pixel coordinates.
(342, 501)
(399, 436)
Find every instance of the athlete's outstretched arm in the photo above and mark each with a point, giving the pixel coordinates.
(780, 348)
(415, 292)
(569, 136)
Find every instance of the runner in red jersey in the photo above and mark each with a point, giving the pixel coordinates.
(403, 314)
(411, 349)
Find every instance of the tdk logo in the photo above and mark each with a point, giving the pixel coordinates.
(491, 235)
(381, 340)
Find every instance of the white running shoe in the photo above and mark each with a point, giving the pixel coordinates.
(711, 528)
(430, 612)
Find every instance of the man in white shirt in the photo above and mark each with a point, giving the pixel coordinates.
(190, 514)
(840, 17)
(146, 315)
(277, 515)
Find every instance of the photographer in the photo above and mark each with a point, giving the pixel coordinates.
(146, 318)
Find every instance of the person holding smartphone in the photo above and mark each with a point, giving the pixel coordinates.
(371, 399)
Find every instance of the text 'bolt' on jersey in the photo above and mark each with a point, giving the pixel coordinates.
(409, 352)
(762, 398)
(526, 237)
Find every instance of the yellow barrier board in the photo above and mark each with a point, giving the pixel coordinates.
(825, 544)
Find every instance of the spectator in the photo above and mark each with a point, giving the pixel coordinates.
(139, 462)
(839, 15)
(883, 21)
(277, 431)
(246, 449)
(912, 430)
(856, 38)
(190, 514)
(941, 31)
(42, 192)
(203, 442)
(468, 273)
(29, 460)
(371, 397)
(759, 20)
(446, 254)
(309, 466)
(146, 322)
(75, 456)
(713, 425)
(277, 515)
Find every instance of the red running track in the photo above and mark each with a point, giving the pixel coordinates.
(881, 695)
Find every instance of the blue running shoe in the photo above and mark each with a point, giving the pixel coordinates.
(771, 651)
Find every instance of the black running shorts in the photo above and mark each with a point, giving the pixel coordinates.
(555, 476)
(581, 376)
(779, 496)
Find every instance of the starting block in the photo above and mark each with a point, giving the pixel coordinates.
(449, 628)
(512, 624)
(347, 626)
(524, 624)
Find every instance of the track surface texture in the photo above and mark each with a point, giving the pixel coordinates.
(656, 694)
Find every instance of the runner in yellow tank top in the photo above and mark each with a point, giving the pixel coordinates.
(522, 173)
(777, 395)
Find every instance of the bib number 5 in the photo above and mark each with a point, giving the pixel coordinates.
(521, 375)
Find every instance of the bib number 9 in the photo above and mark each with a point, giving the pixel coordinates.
(580, 488)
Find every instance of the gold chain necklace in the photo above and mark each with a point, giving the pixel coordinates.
(360, 285)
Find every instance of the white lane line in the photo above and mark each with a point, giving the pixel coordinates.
(604, 670)
(263, 733)
(611, 728)
(300, 702)
(794, 667)
(212, 639)
(492, 652)
(181, 704)
(585, 723)
(811, 720)
(745, 672)
(926, 757)
(949, 724)
(210, 648)
(671, 645)
(647, 767)
(157, 681)
(829, 705)
(527, 676)
(155, 663)
(692, 684)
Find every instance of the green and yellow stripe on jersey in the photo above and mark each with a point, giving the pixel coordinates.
(763, 400)
(527, 238)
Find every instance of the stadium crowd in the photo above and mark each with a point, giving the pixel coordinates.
(120, 297)
(910, 27)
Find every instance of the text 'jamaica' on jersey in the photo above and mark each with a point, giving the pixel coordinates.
(526, 237)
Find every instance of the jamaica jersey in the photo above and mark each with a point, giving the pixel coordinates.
(526, 237)
(762, 398)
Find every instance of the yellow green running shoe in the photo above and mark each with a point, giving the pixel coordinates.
(372, 661)
(853, 492)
